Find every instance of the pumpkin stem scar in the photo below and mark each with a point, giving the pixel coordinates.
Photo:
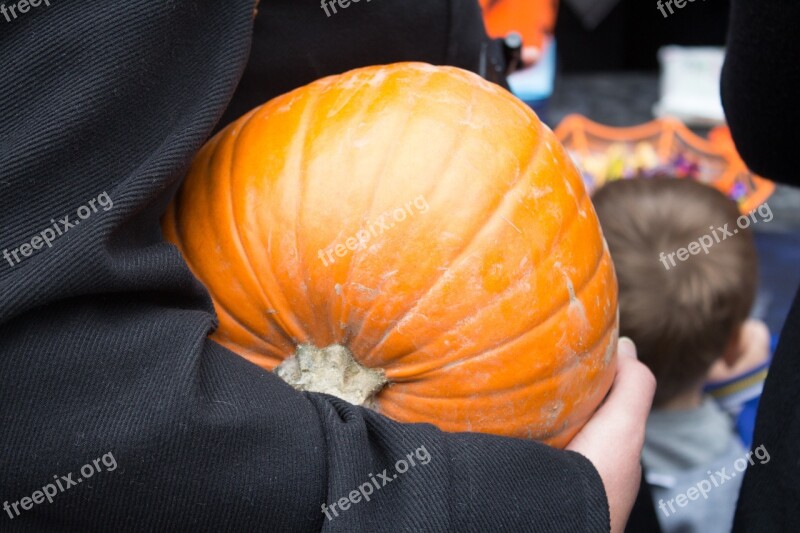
(332, 370)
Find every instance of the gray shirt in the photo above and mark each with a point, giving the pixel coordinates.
(694, 462)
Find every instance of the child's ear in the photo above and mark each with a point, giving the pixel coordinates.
(734, 351)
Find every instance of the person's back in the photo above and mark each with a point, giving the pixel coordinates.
(687, 278)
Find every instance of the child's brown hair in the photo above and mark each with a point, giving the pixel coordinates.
(682, 314)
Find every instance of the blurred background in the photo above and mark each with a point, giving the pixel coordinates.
(620, 64)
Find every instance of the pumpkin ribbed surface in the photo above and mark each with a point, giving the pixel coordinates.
(489, 306)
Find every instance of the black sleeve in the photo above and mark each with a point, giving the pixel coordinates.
(760, 89)
(112, 398)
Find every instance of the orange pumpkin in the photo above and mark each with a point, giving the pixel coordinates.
(411, 238)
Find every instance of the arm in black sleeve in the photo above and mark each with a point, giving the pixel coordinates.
(761, 92)
(103, 330)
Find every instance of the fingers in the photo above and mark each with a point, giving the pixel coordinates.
(623, 416)
(628, 404)
(530, 55)
(626, 407)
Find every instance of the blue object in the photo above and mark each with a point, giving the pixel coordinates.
(746, 422)
(534, 85)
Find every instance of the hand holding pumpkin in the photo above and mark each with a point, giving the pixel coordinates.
(613, 438)
(531, 55)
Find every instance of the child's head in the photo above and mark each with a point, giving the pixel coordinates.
(682, 309)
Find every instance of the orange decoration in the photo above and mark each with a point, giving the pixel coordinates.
(606, 153)
(533, 19)
(411, 238)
